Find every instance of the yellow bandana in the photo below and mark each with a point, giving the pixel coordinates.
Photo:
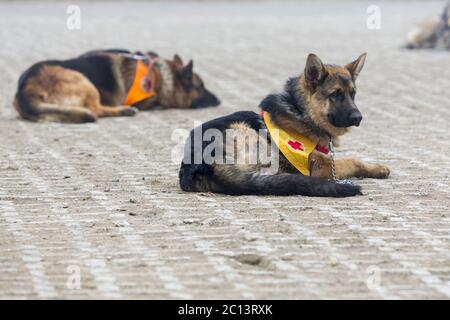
(294, 146)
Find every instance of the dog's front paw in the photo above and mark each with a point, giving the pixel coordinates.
(130, 112)
(379, 171)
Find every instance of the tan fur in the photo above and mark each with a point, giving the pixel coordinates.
(320, 166)
(317, 106)
(245, 155)
(237, 161)
(57, 87)
(241, 126)
(172, 92)
(424, 30)
(245, 149)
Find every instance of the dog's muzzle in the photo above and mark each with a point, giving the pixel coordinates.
(355, 118)
(347, 119)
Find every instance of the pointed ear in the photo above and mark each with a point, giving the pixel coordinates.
(187, 71)
(177, 60)
(356, 66)
(315, 71)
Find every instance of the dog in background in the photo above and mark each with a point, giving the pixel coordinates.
(432, 33)
(108, 83)
(319, 107)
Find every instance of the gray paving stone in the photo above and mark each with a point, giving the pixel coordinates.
(393, 242)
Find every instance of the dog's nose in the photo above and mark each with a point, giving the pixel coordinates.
(215, 102)
(355, 118)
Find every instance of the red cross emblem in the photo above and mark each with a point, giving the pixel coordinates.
(296, 145)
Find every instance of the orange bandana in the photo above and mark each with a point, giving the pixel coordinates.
(143, 86)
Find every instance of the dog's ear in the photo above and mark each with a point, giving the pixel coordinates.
(315, 71)
(187, 71)
(356, 66)
(185, 74)
(177, 60)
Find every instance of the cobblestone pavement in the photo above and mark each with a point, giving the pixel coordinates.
(102, 200)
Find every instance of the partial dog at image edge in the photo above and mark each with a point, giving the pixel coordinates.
(432, 33)
(315, 108)
(108, 83)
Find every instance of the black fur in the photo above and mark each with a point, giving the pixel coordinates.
(285, 184)
(26, 108)
(21, 98)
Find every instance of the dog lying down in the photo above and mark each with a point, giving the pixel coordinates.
(108, 83)
(299, 126)
(432, 33)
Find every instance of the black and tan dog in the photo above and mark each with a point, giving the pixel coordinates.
(108, 83)
(315, 108)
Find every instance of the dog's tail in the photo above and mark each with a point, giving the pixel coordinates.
(35, 109)
(235, 182)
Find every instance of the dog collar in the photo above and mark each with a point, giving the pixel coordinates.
(294, 146)
(322, 149)
(145, 77)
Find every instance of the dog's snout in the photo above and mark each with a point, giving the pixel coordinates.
(355, 118)
(207, 100)
(211, 99)
(215, 101)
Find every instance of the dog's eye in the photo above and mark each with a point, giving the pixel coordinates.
(336, 94)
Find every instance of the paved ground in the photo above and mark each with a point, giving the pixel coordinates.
(102, 200)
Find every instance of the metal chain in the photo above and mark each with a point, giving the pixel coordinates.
(333, 166)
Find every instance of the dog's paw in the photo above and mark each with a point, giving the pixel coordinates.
(379, 171)
(130, 112)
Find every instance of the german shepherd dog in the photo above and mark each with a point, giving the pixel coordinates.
(432, 32)
(319, 104)
(96, 85)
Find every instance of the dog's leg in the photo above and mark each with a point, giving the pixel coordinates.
(119, 111)
(320, 166)
(92, 101)
(147, 104)
(349, 168)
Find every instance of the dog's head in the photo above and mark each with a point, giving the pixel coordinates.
(187, 89)
(330, 92)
